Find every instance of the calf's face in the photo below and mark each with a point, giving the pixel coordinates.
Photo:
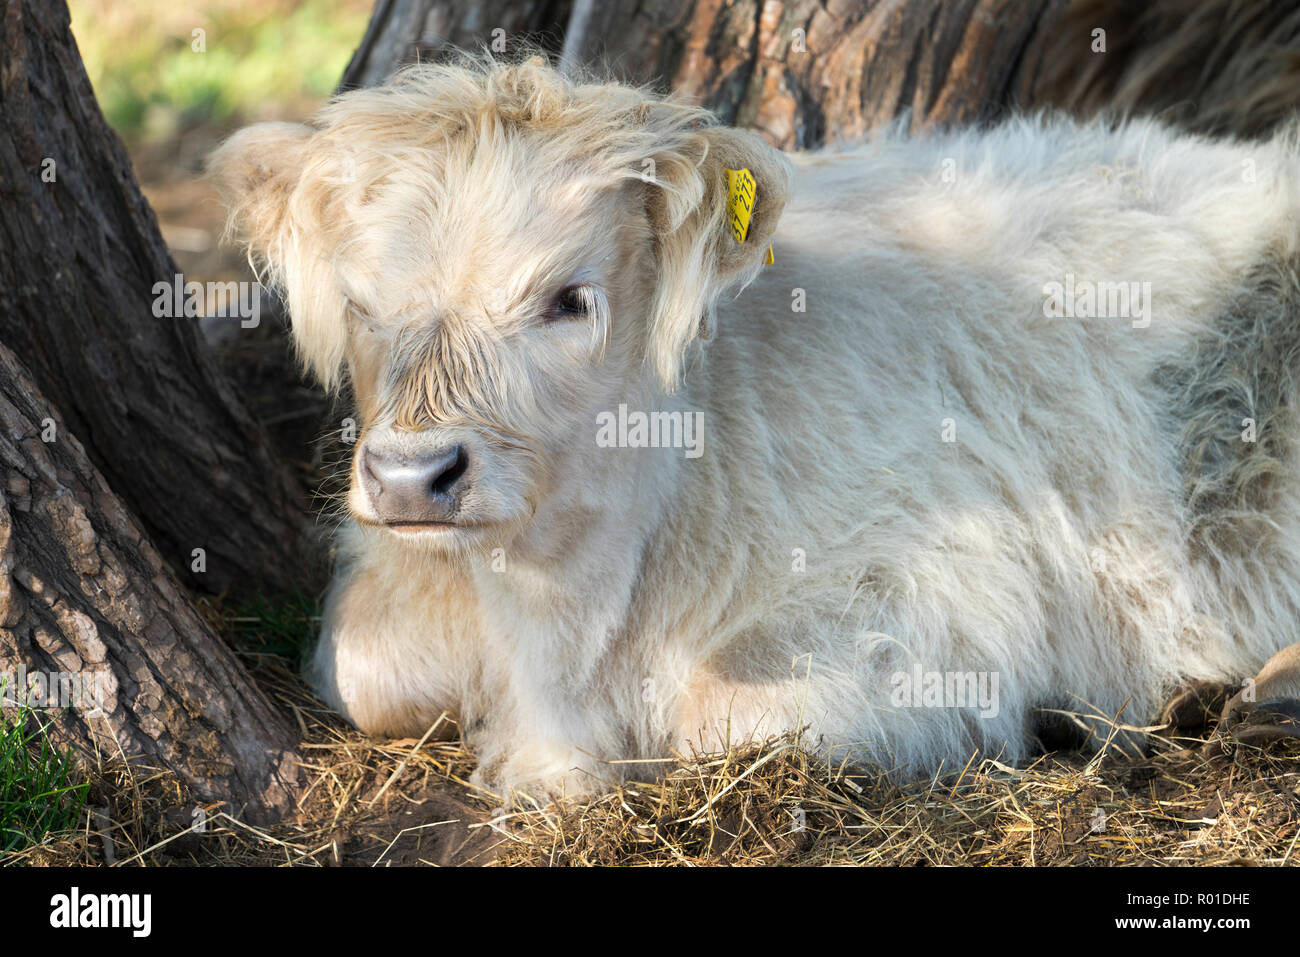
(481, 338)
(490, 256)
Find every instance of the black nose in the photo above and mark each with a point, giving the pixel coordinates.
(415, 489)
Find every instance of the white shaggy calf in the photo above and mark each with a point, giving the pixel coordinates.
(1010, 424)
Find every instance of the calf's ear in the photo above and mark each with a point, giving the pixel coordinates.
(256, 171)
(696, 219)
(277, 215)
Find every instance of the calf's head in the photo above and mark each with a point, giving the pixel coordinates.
(489, 255)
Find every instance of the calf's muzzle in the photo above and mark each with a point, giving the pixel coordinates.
(417, 489)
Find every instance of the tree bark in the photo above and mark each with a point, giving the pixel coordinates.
(80, 254)
(803, 72)
(807, 71)
(83, 594)
(404, 31)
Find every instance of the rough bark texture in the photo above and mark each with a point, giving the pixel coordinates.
(806, 71)
(79, 257)
(403, 31)
(84, 594)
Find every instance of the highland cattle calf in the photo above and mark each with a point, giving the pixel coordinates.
(1009, 424)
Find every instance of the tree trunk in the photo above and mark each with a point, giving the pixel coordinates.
(403, 31)
(802, 72)
(85, 598)
(80, 254)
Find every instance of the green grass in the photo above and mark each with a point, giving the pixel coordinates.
(259, 59)
(40, 788)
(286, 625)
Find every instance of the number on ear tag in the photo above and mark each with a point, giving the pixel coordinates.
(742, 191)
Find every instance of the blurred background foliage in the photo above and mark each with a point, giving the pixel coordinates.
(260, 59)
(173, 99)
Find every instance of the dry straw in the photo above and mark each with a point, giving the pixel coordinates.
(410, 802)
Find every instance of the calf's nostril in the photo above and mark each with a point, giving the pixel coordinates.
(369, 474)
(444, 482)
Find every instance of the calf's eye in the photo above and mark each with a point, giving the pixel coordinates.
(573, 302)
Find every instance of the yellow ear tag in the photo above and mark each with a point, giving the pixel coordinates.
(770, 260)
(741, 193)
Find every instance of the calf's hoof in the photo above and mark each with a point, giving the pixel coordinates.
(1266, 710)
